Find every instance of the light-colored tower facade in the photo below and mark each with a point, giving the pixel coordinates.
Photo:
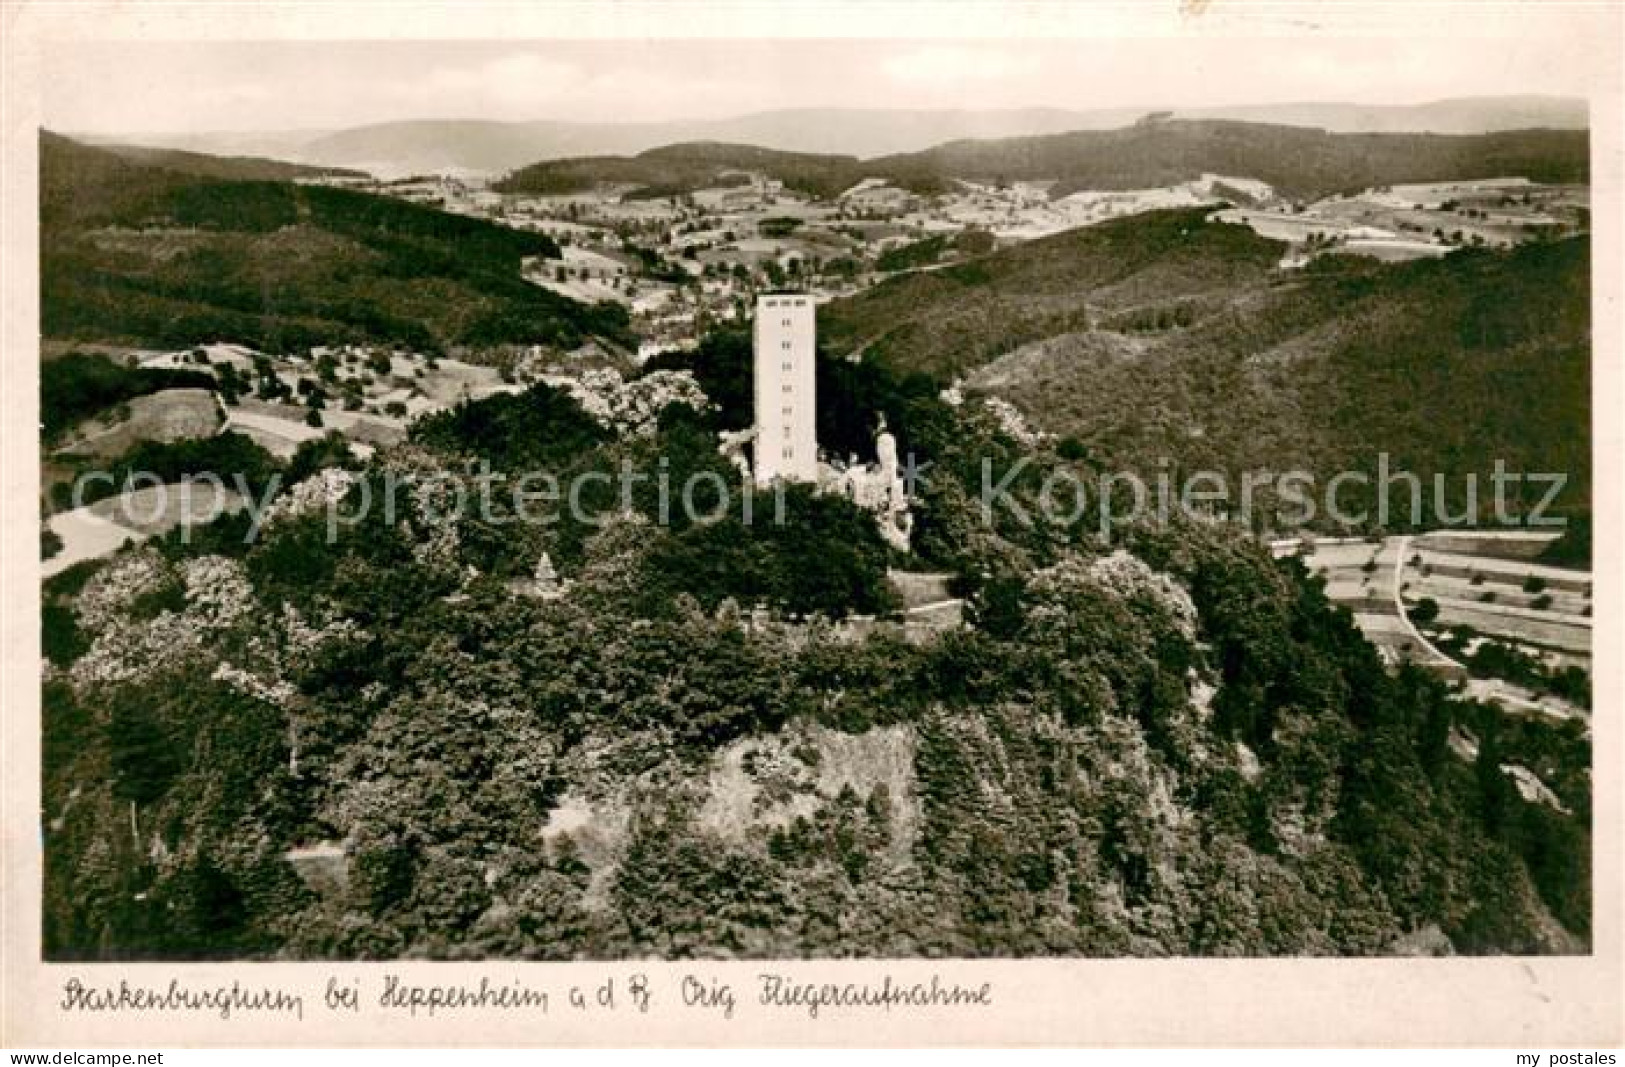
(786, 399)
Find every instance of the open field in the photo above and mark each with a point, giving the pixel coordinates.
(1481, 595)
(281, 436)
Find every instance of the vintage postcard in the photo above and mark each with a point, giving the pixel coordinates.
(719, 524)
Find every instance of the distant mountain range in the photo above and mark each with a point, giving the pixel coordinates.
(395, 149)
(1295, 160)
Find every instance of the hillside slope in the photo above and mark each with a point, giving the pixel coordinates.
(1168, 338)
(1296, 161)
(682, 168)
(146, 255)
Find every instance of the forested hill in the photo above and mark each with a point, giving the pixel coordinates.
(1295, 160)
(394, 742)
(1168, 336)
(236, 168)
(1298, 161)
(143, 254)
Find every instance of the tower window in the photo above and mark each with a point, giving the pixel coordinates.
(789, 453)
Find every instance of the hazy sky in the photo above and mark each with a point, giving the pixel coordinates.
(126, 87)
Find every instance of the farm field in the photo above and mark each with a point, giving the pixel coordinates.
(1541, 610)
(1419, 221)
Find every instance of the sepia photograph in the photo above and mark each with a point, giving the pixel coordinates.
(812, 498)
